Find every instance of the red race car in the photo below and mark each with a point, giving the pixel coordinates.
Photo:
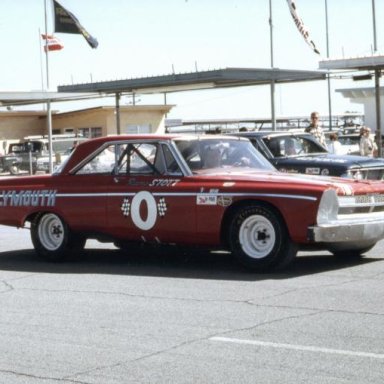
(209, 191)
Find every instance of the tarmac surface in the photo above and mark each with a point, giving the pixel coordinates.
(172, 316)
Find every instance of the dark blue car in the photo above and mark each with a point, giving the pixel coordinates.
(299, 152)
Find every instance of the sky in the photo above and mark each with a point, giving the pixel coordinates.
(152, 37)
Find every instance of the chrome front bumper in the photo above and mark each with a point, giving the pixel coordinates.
(372, 230)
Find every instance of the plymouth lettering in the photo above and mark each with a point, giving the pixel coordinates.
(28, 198)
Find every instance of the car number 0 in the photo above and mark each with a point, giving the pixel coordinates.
(150, 221)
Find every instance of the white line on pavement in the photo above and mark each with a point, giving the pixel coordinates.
(299, 347)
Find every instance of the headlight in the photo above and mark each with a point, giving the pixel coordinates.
(328, 207)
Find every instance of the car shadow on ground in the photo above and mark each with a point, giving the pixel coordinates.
(172, 262)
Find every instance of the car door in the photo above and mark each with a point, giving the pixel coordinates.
(82, 196)
(150, 199)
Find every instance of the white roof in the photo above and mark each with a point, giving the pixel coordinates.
(363, 62)
(38, 97)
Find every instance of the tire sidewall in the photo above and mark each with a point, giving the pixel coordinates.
(44, 253)
(276, 254)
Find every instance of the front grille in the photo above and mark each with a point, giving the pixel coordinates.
(373, 173)
(361, 204)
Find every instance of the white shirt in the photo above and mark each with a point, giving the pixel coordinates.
(335, 147)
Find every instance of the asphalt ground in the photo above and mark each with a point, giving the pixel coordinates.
(187, 316)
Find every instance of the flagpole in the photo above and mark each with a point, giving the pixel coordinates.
(49, 112)
(41, 63)
(273, 115)
(328, 74)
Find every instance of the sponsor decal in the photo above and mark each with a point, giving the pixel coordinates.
(164, 182)
(312, 171)
(131, 208)
(206, 199)
(137, 183)
(28, 198)
(286, 170)
(224, 201)
(325, 172)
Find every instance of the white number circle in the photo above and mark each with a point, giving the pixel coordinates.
(150, 221)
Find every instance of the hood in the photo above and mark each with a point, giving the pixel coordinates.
(346, 161)
(292, 181)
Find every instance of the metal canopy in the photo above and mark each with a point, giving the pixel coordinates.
(221, 78)
(366, 63)
(359, 63)
(39, 97)
(359, 92)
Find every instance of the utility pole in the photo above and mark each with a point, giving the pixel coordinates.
(377, 85)
(329, 73)
(49, 111)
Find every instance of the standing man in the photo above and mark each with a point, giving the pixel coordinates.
(315, 129)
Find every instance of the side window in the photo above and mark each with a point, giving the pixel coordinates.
(290, 147)
(171, 166)
(142, 158)
(139, 159)
(274, 146)
(133, 159)
(310, 146)
(103, 162)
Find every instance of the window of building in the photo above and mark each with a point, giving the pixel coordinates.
(133, 129)
(91, 132)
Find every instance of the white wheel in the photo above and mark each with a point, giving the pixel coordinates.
(257, 236)
(52, 239)
(51, 232)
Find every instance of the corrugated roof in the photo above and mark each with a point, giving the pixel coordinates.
(220, 78)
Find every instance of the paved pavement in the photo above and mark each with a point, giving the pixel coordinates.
(167, 316)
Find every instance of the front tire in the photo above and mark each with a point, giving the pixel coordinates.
(259, 238)
(52, 238)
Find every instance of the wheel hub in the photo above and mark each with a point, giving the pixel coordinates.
(57, 231)
(257, 236)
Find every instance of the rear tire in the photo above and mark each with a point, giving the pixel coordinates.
(52, 238)
(259, 238)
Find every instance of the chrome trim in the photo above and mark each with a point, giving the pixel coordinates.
(184, 194)
(370, 230)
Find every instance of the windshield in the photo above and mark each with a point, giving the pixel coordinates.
(17, 148)
(281, 146)
(217, 153)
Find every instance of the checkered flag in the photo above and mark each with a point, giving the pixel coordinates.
(162, 207)
(126, 207)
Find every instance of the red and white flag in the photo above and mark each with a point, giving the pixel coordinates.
(300, 25)
(52, 43)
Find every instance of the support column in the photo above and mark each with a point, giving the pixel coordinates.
(117, 111)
